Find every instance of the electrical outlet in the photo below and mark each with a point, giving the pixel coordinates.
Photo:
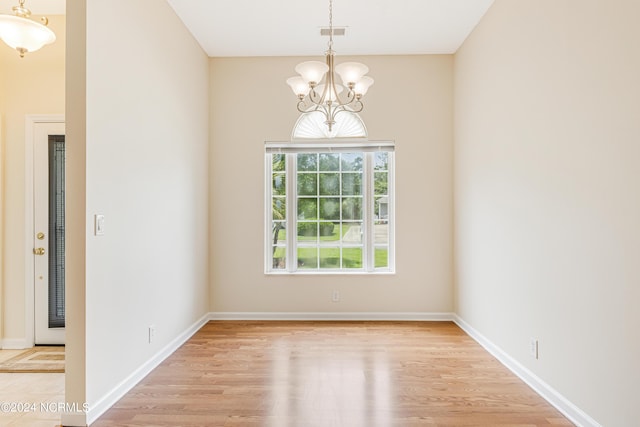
(152, 333)
(533, 347)
(335, 296)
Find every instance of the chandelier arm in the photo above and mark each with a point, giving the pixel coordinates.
(335, 113)
(328, 80)
(325, 93)
(314, 97)
(331, 76)
(358, 106)
(302, 106)
(351, 97)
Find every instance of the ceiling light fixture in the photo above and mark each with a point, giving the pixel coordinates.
(327, 97)
(22, 33)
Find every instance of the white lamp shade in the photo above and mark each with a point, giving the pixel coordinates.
(298, 85)
(331, 95)
(363, 85)
(312, 71)
(23, 33)
(351, 72)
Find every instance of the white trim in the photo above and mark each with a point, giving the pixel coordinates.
(568, 409)
(368, 238)
(29, 291)
(561, 403)
(391, 194)
(291, 169)
(109, 399)
(268, 219)
(320, 316)
(14, 344)
(328, 145)
(368, 199)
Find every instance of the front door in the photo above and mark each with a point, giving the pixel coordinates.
(49, 232)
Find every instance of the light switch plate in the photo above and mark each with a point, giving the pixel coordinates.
(99, 225)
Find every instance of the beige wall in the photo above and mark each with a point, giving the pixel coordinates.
(547, 207)
(75, 237)
(30, 85)
(142, 160)
(418, 116)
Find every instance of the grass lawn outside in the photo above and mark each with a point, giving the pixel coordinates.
(328, 255)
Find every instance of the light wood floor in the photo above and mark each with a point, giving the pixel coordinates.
(33, 389)
(292, 374)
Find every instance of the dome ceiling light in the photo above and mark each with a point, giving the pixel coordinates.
(23, 34)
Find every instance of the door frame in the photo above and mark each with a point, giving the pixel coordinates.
(29, 145)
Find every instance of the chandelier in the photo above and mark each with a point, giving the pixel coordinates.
(22, 33)
(316, 86)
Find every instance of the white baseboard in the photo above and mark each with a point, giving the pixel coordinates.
(362, 316)
(102, 405)
(568, 409)
(562, 404)
(14, 344)
(107, 401)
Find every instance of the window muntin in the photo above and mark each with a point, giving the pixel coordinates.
(278, 211)
(381, 209)
(338, 201)
(329, 210)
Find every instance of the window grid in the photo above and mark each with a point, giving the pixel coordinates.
(319, 252)
(381, 210)
(322, 222)
(279, 210)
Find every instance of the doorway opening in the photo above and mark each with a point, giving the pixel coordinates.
(45, 230)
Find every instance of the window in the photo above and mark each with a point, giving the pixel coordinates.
(329, 207)
(312, 126)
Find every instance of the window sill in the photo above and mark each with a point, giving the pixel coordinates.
(330, 273)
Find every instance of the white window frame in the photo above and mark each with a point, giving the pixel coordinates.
(369, 148)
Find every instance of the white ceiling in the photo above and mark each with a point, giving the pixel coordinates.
(292, 27)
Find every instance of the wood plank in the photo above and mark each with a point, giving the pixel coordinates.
(285, 373)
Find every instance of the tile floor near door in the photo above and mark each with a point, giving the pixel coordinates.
(29, 400)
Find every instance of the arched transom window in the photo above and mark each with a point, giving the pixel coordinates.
(311, 125)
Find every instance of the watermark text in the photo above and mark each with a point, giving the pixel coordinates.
(49, 407)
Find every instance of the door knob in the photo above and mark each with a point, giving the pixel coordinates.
(38, 251)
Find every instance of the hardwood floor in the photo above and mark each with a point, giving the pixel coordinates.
(291, 374)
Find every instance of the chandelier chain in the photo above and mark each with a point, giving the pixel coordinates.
(330, 24)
